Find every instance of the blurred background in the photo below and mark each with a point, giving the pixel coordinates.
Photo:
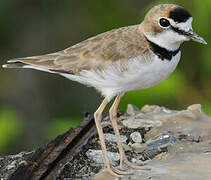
(36, 106)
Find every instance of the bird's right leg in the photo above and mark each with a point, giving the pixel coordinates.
(98, 118)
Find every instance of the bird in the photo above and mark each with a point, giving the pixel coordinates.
(121, 60)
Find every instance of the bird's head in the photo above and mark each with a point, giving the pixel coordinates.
(168, 25)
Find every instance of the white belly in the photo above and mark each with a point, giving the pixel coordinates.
(152, 74)
(140, 74)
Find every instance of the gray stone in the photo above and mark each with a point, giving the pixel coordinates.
(137, 147)
(195, 108)
(126, 147)
(136, 137)
(137, 161)
(112, 138)
(97, 156)
(23, 162)
(162, 140)
(135, 123)
(151, 108)
(132, 110)
(12, 165)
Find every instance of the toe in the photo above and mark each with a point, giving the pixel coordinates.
(117, 172)
(134, 166)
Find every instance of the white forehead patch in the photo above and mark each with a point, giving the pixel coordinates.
(185, 26)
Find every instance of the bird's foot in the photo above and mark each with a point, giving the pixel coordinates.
(117, 172)
(134, 166)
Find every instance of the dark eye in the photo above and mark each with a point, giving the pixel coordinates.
(164, 22)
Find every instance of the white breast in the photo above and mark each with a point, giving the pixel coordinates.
(140, 74)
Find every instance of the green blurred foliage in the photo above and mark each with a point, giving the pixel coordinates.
(59, 126)
(49, 104)
(10, 126)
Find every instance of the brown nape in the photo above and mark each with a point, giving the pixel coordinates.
(162, 10)
(150, 23)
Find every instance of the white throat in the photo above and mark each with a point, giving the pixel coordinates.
(166, 39)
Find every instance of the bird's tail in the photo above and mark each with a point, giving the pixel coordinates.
(32, 63)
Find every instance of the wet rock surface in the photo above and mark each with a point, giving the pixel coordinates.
(174, 144)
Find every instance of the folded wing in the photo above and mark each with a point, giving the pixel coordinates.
(94, 53)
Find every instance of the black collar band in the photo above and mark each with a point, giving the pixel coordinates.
(161, 52)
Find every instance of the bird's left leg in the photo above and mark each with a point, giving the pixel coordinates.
(113, 115)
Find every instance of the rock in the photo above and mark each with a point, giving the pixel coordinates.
(12, 165)
(176, 146)
(135, 123)
(23, 162)
(175, 141)
(97, 156)
(177, 166)
(112, 138)
(136, 137)
(20, 155)
(162, 140)
(132, 110)
(188, 115)
(195, 108)
(156, 145)
(137, 161)
(126, 147)
(137, 147)
(104, 175)
(188, 137)
(151, 108)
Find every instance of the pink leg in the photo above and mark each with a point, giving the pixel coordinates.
(98, 118)
(123, 158)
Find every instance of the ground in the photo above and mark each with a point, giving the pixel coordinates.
(173, 144)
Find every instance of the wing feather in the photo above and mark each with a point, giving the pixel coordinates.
(94, 53)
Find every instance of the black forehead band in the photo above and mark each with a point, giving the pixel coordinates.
(180, 15)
